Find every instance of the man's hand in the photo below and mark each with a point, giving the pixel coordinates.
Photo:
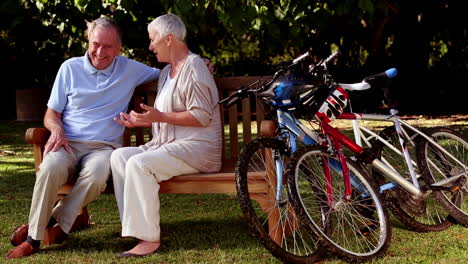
(56, 140)
(209, 65)
(127, 120)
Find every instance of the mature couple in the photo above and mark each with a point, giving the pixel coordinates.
(86, 116)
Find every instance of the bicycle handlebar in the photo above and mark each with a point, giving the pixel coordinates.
(245, 91)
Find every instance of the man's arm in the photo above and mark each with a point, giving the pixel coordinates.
(53, 122)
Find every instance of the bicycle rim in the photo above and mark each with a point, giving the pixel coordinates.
(439, 166)
(426, 215)
(286, 238)
(357, 229)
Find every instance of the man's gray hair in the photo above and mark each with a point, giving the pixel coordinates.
(168, 24)
(104, 22)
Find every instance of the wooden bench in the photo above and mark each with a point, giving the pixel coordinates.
(220, 182)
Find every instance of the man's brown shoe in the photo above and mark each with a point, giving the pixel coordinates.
(22, 250)
(53, 235)
(81, 222)
(19, 235)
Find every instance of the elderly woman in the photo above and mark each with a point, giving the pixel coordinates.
(186, 135)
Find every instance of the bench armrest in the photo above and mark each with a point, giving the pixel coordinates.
(37, 136)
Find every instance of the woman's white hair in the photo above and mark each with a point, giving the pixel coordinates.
(168, 24)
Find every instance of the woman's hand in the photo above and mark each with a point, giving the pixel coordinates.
(154, 115)
(149, 115)
(127, 120)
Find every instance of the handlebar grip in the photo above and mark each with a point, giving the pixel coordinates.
(331, 57)
(391, 73)
(230, 102)
(298, 59)
(383, 76)
(234, 97)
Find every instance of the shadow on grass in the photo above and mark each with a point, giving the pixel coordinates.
(221, 234)
(28, 164)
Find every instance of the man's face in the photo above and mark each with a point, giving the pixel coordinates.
(104, 45)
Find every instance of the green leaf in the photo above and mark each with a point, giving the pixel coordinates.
(367, 6)
(81, 4)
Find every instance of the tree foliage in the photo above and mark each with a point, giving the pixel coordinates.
(422, 38)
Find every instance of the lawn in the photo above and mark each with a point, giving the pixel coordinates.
(195, 228)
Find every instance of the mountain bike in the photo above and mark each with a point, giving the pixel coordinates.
(441, 150)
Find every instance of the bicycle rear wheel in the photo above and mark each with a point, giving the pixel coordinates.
(426, 215)
(437, 166)
(285, 237)
(356, 228)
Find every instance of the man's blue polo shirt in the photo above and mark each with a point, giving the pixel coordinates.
(89, 99)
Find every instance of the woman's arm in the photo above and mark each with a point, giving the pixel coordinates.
(154, 115)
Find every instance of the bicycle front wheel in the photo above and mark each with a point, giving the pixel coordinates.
(270, 220)
(355, 227)
(439, 167)
(426, 215)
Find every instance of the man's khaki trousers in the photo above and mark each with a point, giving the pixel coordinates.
(91, 160)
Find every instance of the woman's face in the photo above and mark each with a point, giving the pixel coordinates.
(159, 46)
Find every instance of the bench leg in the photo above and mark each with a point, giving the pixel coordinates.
(274, 224)
(276, 229)
(82, 221)
(293, 223)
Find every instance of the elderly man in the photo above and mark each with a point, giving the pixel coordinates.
(88, 92)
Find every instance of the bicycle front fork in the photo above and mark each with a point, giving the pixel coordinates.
(342, 167)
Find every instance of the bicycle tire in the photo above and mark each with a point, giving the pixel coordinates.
(436, 166)
(356, 229)
(417, 215)
(297, 245)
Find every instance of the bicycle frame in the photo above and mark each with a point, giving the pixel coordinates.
(293, 129)
(399, 125)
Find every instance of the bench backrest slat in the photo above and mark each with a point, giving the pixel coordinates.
(246, 120)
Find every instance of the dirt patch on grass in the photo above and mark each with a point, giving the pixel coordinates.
(459, 121)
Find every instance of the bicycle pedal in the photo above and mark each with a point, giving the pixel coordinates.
(457, 185)
(439, 188)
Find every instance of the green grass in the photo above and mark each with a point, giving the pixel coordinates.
(195, 228)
